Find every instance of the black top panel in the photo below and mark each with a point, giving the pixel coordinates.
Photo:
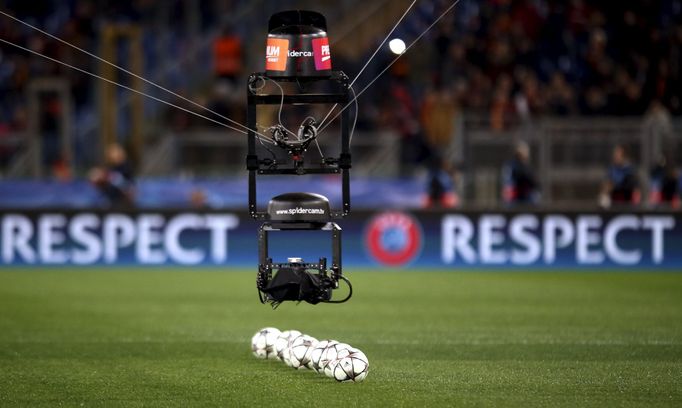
(294, 19)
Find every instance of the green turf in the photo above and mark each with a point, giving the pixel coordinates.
(181, 338)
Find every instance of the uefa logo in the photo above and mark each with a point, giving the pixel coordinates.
(393, 238)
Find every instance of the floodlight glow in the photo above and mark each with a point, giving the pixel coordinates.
(397, 46)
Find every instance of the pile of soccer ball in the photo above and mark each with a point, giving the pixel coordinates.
(300, 351)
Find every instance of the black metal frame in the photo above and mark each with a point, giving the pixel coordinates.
(332, 165)
(329, 165)
(266, 266)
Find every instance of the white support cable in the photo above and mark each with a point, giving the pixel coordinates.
(319, 149)
(355, 119)
(376, 51)
(124, 70)
(279, 114)
(265, 138)
(281, 106)
(391, 64)
(323, 125)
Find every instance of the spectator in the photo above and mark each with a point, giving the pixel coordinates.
(596, 58)
(519, 185)
(404, 118)
(115, 179)
(502, 109)
(441, 187)
(665, 185)
(530, 100)
(6, 148)
(50, 123)
(560, 96)
(438, 119)
(621, 186)
(227, 56)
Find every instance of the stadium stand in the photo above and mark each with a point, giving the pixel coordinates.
(500, 70)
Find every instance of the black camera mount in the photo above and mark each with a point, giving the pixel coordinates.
(296, 280)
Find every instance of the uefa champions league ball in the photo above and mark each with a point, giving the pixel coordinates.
(283, 344)
(353, 366)
(331, 365)
(318, 352)
(286, 354)
(336, 360)
(263, 343)
(331, 355)
(300, 351)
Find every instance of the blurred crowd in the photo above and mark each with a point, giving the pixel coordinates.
(514, 59)
(505, 61)
(510, 61)
(79, 22)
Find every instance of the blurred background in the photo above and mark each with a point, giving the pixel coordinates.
(515, 234)
(567, 104)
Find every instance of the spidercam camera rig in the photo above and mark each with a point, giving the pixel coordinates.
(298, 52)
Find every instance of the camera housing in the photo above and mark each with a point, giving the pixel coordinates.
(296, 280)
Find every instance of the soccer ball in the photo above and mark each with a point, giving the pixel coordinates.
(331, 356)
(263, 343)
(317, 353)
(352, 366)
(300, 351)
(283, 343)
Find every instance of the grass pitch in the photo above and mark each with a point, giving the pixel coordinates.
(181, 338)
